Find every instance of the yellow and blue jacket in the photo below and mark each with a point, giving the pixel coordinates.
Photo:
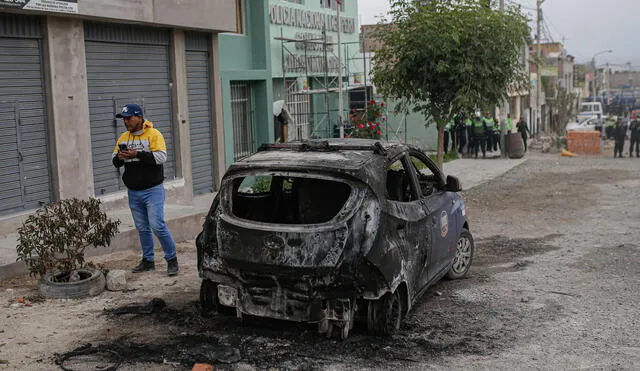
(146, 170)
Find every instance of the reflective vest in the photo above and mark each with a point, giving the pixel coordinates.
(509, 125)
(478, 126)
(469, 122)
(489, 123)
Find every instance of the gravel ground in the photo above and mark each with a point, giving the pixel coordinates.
(555, 285)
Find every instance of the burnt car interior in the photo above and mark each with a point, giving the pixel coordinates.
(398, 183)
(429, 182)
(288, 200)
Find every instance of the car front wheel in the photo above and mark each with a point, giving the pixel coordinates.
(464, 256)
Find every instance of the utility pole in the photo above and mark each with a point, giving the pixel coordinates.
(538, 64)
(501, 5)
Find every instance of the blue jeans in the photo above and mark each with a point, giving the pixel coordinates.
(147, 208)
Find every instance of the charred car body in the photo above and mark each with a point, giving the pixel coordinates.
(332, 232)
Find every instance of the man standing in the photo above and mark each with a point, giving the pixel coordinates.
(142, 151)
(471, 145)
(480, 134)
(635, 136)
(620, 133)
(461, 130)
(489, 124)
(523, 129)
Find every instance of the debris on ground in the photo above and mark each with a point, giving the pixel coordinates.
(154, 306)
(185, 350)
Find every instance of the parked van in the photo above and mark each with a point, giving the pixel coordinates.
(591, 109)
(588, 109)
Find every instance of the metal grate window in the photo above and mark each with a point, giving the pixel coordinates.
(299, 107)
(244, 143)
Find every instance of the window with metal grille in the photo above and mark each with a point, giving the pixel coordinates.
(244, 143)
(299, 107)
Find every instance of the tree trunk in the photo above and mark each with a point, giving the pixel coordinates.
(440, 146)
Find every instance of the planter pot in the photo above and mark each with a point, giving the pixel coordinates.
(92, 285)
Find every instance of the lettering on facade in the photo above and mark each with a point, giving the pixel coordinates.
(315, 42)
(301, 18)
(311, 64)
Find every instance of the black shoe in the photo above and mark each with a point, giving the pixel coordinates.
(172, 267)
(144, 266)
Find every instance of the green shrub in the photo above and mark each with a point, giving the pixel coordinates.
(54, 238)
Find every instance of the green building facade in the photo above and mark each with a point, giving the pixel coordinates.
(245, 74)
(305, 73)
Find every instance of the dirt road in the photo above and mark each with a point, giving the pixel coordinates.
(555, 285)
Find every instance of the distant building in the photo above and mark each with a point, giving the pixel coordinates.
(556, 71)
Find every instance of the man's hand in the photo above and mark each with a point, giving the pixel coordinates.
(127, 155)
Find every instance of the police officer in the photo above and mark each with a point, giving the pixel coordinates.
(496, 134)
(620, 133)
(461, 133)
(635, 136)
(489, 124)
(472, 139)
(480, 135)
(509, 126)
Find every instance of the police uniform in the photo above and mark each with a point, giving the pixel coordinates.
(620, 133)
(480, 134)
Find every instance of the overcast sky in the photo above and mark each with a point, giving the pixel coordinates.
(586, 26)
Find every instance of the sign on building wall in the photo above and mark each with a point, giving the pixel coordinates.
(305, 36)
(58, 6)
(302, 84)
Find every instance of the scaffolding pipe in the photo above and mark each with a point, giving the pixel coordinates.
(340, 98)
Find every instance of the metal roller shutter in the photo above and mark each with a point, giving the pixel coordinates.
(200, 118)
(25, 176)
(126, 64)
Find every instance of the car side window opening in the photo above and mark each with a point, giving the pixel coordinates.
(428, 181)
(399, 183)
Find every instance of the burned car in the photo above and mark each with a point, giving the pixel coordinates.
(332, 232)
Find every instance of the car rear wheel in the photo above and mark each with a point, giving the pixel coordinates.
(385, 314)
(464, 256)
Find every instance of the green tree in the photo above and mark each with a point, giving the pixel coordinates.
(440, 57)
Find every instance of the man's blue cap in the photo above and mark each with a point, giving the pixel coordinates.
(130, 110)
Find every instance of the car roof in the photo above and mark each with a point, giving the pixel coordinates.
(323, 153)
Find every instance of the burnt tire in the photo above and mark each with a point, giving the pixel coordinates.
(465, 248)
(92, 286)
(385, 314)
(209, 303)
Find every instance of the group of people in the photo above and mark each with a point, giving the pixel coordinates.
(620, 135)
(475, 134)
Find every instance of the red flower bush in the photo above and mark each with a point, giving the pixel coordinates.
(366, 124)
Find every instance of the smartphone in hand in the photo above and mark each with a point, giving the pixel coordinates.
(123, 147)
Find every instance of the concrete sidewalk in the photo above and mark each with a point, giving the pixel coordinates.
(474, 172)
(185, 222)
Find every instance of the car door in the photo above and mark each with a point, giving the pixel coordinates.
(438, 205)
(406, 219)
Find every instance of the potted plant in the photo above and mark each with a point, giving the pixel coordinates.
(52, 243)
